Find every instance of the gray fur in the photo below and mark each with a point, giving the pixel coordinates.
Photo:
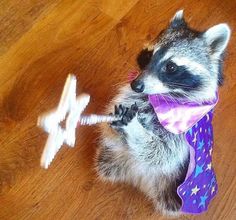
(139, 151)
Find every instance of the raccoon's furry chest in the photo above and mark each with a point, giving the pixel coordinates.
(148, 141)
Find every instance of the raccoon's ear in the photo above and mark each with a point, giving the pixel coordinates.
(145, 56)
(178, 20)
(217, 38)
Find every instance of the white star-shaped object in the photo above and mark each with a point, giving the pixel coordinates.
(195, 190)
(212, 190)
(195, 137)
(69, 105)
(210, 151)
(208, 166)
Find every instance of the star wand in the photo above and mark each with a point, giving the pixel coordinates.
(72, 107)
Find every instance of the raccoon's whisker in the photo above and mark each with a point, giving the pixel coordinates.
(179, 84)
(164, 98)
(172, 98)
(191, 98)
(119, 84)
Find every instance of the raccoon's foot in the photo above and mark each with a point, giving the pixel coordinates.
(126, 115)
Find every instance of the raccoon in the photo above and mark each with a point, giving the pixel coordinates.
(137, 149)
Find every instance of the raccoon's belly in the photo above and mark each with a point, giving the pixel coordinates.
(164, 156)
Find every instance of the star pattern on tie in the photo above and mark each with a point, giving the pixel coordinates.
(209, 131)
(200, 187)
(203, 200)
(198, 170)
(210, 151)
(191, 131)
(212, 189)
(200, 145)
(209, 143)
(195, 137)
(208, 166)
(195, 190)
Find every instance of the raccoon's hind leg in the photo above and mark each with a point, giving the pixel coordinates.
(111, 164)
(168, 203)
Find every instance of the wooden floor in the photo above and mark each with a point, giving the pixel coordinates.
(98, 40)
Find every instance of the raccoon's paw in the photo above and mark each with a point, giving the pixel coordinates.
(126, 115)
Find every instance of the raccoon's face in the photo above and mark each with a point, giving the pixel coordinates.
(184, 62)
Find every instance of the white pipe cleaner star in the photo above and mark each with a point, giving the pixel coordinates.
(73, 107)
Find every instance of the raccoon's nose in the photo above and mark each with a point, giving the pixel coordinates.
(137, 86)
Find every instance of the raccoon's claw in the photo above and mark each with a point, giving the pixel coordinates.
(120, 110)
(126, 115)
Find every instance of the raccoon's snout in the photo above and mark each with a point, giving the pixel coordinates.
(137, 85)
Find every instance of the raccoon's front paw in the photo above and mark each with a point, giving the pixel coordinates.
(126, 115)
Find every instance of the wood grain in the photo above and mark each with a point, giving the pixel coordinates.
(98, 40)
